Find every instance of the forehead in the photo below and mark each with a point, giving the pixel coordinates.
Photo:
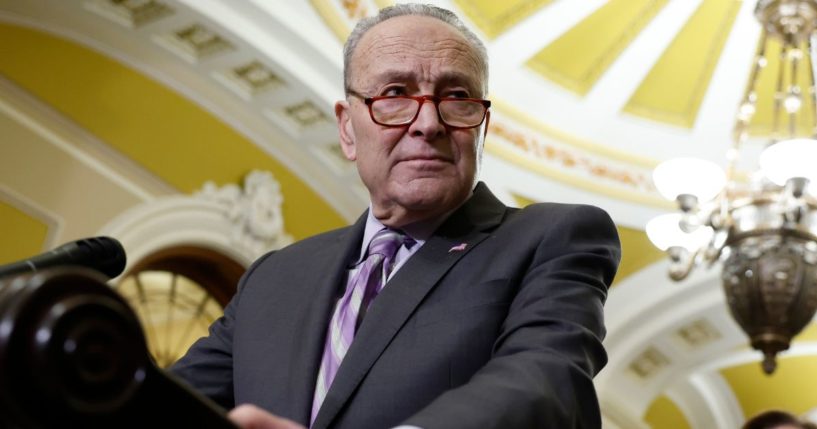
(415, 48)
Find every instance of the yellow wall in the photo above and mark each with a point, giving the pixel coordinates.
(664, 414)
(23, 235)
(790, 388)
(167, 134)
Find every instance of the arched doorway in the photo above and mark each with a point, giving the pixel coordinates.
(177, 293)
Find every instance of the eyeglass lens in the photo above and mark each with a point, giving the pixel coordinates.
(456, 113)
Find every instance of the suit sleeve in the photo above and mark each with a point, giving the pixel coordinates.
(541, 371)
(208, 364)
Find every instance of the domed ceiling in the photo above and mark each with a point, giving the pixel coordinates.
(588, 96)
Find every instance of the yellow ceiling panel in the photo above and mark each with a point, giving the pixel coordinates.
(664, 414)
(790, 388)
(579, 57)
(809, 333)
(669, 96)
(637, 252)
(23, 235)
(522, 201)
(495, 17)
(763, 121)
(164, 132)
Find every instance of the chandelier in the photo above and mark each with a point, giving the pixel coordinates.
(761, 227)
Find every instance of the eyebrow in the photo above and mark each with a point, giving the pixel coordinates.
(445, 78)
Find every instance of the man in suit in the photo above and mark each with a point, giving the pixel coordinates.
(478, 315)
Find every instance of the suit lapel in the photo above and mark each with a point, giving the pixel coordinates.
(463, 231)
(327, 285)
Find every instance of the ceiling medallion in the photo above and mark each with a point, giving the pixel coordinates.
(763, 232)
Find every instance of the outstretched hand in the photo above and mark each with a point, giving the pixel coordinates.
(251, 417)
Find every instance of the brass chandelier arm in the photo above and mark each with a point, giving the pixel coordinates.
(812, 88)
(748, 104)
(778, 95)
(682, 263)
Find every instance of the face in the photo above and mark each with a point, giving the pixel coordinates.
(422, 170)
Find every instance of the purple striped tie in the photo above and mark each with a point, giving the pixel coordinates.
(368, 279)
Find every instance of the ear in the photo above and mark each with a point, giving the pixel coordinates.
(487, 122)
(343, 115)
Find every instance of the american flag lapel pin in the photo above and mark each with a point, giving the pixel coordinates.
(458, 248)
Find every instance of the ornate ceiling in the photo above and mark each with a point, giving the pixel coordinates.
(588, 97)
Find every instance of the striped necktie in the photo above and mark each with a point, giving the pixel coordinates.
(368, 279)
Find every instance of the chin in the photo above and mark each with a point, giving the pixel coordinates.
(430, 198)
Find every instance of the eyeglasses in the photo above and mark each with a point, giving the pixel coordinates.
(402, 110)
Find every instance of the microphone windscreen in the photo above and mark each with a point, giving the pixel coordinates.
(105, 254)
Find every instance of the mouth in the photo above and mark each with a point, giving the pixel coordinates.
(437, 158)
(426, 161)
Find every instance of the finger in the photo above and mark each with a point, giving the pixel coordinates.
(249, 416)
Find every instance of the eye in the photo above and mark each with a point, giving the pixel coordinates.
(457, 93)
(393, 91)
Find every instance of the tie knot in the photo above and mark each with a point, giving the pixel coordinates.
(386, 242)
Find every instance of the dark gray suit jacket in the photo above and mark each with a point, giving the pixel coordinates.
(503, 334)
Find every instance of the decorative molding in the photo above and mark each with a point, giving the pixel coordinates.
(240, 222)
(355, 9)
(649, 362)
(340, 18)
(617, 413)
(130, 13)
(707, 401)
(305, 114)
(296, 119)
(195, 42)
(254, 211)
(698, 333)
(250, 79)
(571, 159)
(582, 169)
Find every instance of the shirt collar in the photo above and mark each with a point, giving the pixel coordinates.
(419, 232)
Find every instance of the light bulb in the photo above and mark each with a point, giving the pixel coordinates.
(789, 158)
(689, 176)
(665, 231)
(792, 103)
(746, 111)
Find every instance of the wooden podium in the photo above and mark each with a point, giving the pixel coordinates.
(73, 355)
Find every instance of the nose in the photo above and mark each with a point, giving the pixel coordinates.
(428, 123)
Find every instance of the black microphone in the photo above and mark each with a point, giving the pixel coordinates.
(103, 254)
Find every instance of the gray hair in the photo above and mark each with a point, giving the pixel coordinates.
(404, 9)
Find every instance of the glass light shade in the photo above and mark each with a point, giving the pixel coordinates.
(665, 231)
(698, 177)
(790, 158)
